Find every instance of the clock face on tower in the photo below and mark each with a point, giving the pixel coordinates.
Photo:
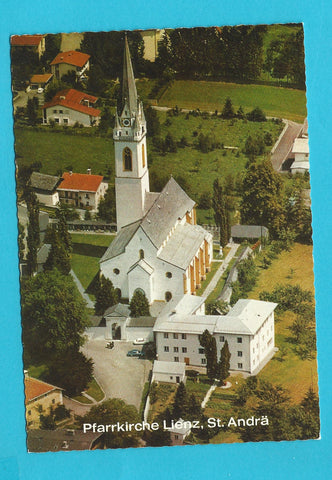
(126, 122)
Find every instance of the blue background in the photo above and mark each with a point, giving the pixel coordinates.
(291, 460)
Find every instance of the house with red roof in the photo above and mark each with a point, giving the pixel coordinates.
(39, 80)
(65, 62)
(35, 43)
(69, 107)
(40, 398)
(82, 190)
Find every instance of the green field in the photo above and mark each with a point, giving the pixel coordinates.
(87, 250)
(275, 101)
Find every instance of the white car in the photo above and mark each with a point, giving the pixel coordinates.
(139, 341)
(40, 90)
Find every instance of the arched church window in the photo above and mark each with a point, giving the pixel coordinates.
(143, 155)
(141, 254)
(168, 296)
(127, 160)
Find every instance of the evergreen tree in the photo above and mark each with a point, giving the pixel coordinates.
(220, 214)
(58, 257)
(208, 342)
(21, 246)
(139, 305)
(62, 229)
(105, 296)
(240, 113)
(32, 110)
(33, 238)
(180, 402)
(152, 122)
(170, 143)
(106, 208)
(224, 363)
(228, 111)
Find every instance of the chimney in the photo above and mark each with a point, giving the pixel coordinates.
(88, 171)
(70, 173)
(26, 373)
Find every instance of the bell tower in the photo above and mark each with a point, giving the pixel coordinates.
(129, 134)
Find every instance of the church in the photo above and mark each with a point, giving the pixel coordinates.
(159, 249)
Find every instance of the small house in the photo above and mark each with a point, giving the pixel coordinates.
(45, 188)
(82, 190)
(66, 62)
(35, 43)
(40, 398)
(169, 372)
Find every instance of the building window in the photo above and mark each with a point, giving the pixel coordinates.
(203, 361)
(143, 155)
(54, 111)
(175, 335)
(175, 349)
(166, 349)
(239, 339)
(183, 336)
(169, 275)
(87, 195)
(60, 111)
(116, 271)
(168, 296)
(176, 359)
(201, 351)
(127, 160)
(57, 120)
(165, 335)
(29, 412)
(239, 354)
(239, 365)
(53, 401)
(222, 338)
(141, 254)
(184, 349)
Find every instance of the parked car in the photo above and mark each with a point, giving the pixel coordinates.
(40, 90)
(134, 353)
(139, 341)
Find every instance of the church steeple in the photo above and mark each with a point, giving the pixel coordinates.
(129, 134)
(129, 92)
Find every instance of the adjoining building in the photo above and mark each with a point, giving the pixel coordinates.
(66, 62)
(168, 372)
(71, 107)
(35, 43)
(40, 398)
(45, 188)
(63, 440)
(39, 81)
(300, 151)
(82, 190)
(239, 233)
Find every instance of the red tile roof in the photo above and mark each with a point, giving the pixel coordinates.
(82, 182)
(73, 99)
(35, 388)
(25, 40)
(78, 59)
(41, 78)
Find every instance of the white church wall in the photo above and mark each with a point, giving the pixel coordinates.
(138, 278)
(132, 333)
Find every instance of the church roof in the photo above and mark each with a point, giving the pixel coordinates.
(129, 92)
(144, 265)
(150, 198)
(120, 242)
(171, 204)
(183, 245)
(118, 310)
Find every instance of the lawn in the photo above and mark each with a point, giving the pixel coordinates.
(199, 389)
(295, 374)
(87, 250)
(275, 101)
(165, 398)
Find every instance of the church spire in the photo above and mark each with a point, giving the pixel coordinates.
(129, 93)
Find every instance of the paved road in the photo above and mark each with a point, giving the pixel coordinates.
(75, 407)
(118, 375)
(212, 285)
(22, 98)
(285, 145)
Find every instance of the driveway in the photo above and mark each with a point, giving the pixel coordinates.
(285, 145)
(118, 375)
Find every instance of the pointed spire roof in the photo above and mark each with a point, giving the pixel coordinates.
(129, 92)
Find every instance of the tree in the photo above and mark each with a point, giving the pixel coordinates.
(170, 143)
(228, 111)
(262, 202)
(208, 342)
(33, 238)
(254, 147)
(106, 208)
(105, 295)
(224, 363)
(62, 229)
(32, 110)
(96, 80)
(219, 307)
(139, 305)
(54, 315)
(180, 402)
(109, 413)
(220, 214)
(152, 122)
(256, 115)
(71, 370)
(21, 245)
(58, 257)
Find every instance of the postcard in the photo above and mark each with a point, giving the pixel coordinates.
(165, 239)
